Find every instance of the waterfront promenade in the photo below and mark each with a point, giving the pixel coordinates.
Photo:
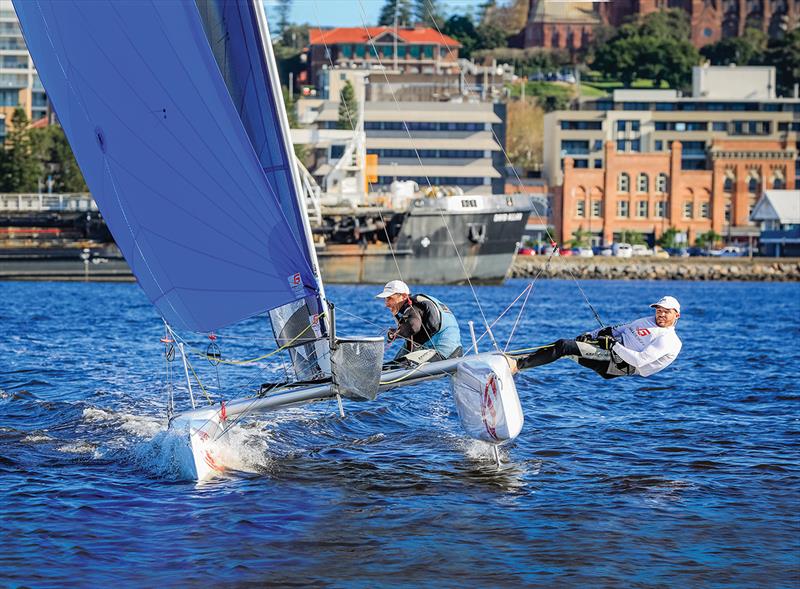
(609, 268)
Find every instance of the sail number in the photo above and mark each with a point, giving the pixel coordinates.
(499, 217)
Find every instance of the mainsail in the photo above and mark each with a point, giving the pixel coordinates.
(202, 205)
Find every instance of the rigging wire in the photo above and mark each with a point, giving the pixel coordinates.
(508, 160)
(424, 172)
(354, 127)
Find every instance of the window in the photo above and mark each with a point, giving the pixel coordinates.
(573, 147)
(414, 51)
(581, 125)
(597, 208)
(752, 184)
(636, 145)
(661, 208)
(705, 209)
(642, 183)
(580, 208)
(623, 182)
(621, 125)
(622, 208)
(428, 51)
(727, 212)
(688, 209)
(661, 183)
(598, 164)
(641, 208)
(581, 163)
(659, 145)
(634, 125)
(621, 145)
(727, 186)
(778, 184)
(360, 52)
(719, 126)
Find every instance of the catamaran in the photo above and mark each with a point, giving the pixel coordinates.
(175, 113)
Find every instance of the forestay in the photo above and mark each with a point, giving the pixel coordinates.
(199, 214)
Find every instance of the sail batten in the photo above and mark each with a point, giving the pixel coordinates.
(198, 212)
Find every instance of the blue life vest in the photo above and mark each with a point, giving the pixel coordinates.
(448, 339)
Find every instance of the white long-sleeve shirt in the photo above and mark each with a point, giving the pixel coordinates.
(646, 346)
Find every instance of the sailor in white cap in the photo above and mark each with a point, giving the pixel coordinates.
(642, 347)
(423, 322)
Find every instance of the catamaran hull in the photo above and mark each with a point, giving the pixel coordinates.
(203, 455)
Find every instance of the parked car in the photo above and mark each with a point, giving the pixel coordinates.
(526, 251)
(605, 251)
(622, 250)
(641, 250)
(583, 252)
(678, 252)
(732, 251)
(697, 252)
(547, 250)
(729, 251)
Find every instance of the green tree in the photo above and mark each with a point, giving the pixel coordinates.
(669, 239)
(348, 107)
(655, 47)
(66, 174)
(462, 29)
(20, 169)
(708, 239)
(284, 9)
(631, 237)
(748, 49)
(429, 13)
(784, 53)
(581, 237)
(490, 36)
(402, 9)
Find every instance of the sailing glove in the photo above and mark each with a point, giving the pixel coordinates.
(606, 342)
(391, 334)
(606, 331)
(584, 337)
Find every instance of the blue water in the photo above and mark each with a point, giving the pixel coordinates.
(689, 478)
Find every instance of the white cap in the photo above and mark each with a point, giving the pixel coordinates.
(393, 287)
(668, 303)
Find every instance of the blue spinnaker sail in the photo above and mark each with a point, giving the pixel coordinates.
(165, 154)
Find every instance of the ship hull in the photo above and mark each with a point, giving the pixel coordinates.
(433, 247)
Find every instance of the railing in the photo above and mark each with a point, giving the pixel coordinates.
(47, 202)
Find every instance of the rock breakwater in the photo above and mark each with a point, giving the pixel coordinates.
(757, 269)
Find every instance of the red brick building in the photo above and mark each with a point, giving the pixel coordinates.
(649, 192)
(569, 25)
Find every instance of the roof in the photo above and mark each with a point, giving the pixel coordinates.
(778, 205)
(420, 35)
(475, 170)
(419, 112)
(481, 141)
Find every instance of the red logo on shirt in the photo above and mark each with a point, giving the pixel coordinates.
(642, 331)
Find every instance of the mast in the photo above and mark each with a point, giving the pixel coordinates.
(269, 58)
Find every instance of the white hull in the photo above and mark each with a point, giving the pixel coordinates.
(204, 429)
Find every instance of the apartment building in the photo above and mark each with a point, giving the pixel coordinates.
(19, 83)
(437, 143)
(647, 121)
(648, 160)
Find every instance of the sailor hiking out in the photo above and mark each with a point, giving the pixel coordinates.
(642, 347)
(426, 325)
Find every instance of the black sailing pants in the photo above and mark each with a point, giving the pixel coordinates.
(569, 347)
